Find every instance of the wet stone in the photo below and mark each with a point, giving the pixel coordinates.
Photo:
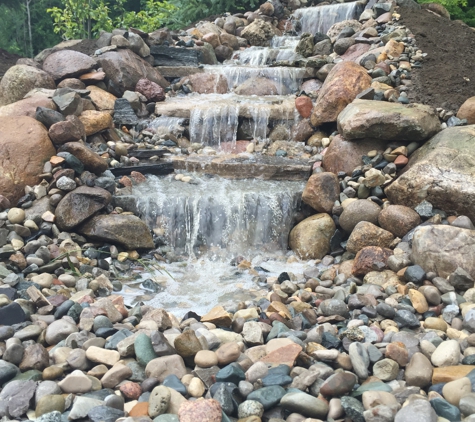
(267, 396)
(353, 408)
(231, 373)
(172, 381)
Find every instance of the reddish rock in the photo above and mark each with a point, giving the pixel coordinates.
(208, 410)
(140, 409)
(343, 155)
(338, 384)
(398, 219)
(208, 83)
(138, 177)
(257, 85)
(355, 51)
(151, 90)
(345, 81)
(131, 390)
(321, 191)
(21, 162)
(19, 260)
(68, 63)
(397, 351)
(93, 76)
(286, 355)
(401, 161)
(301, 131)
(212, 38)
(69, 130)
(304, 106)
(27, 107)
(92, 162)
(467, 111)
(125, 181)
(371, 258)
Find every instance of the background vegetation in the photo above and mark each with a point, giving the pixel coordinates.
(29, 26)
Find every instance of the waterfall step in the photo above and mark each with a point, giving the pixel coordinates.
(159, 169)
(278, 107)
(233, 166)
(178, 71)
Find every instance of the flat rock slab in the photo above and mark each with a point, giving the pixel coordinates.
(178, 71)
(171, 56)
(277, 107)
(238, 167)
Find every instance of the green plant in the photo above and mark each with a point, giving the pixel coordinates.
(155, 14)
(458, 9)
(189, 11)
(81, 18)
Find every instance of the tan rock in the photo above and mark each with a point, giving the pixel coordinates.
(419, 371)
(454, 390)
(104, 356)
(228, 352)
(398, 219)
(95, 121)
(284, 355)
(163, 366)
(345, 81)
(103, 100)
(451, 373)
(200, 410)
(114, 376)
(21, 162)
(367, 234)
(208, 83)
(218, 316)
(418, 301)
(310, 239)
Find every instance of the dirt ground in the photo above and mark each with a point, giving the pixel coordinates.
(7, 60)
(447, 76)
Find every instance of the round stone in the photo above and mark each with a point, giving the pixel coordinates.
(250, 408)
(206, 358)
(398, 219)
(16, 215)
(356, 211)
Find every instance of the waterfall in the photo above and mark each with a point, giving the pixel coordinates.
(321, 18)
(236, 216)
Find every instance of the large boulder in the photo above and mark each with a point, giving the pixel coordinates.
(27, 107)
(388, 121)
(442, 172)
(24, 148)
(259, 32)
(310, 239)
(68, 64)
(343, 155)
(80, 204)
(126, 230)
(467, 111)
(257, 86)
(345, 81)
(442, 249)
(124, 69)
(19, 80)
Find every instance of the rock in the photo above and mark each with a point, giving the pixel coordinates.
(446, 354)
(398, 219)
(345, 81)
(15, 398)
(102, 100)
(21, 162)
(386, 369)
(91, 161)
(124, 113)
(104, 356)
(50, 403)
(358, 211)
(434, 246)
(159, 401)
(421, 408)
(338, 384)
(7, 370)
(305, 404)
(163, 366)
(388, 121)
(208, 83)
(344, 155)
(82, 406)
(76, 382)
(250, 408)
(27, 106)
(151, 90)
(124, 69)
(68, 63)
(310, 239)
(256, 86)
(35, 357)
(80, 204)
(304, 106)
(19, 80)
(259, 33)
(200, 410)
(95, 121)
(59, 330)
(467, 111)
(69, 130)
(453, 391)
(126, 230)
(187, 345)
(206, 359)
(367, 234)
(104, 414)
(321, 192)
(369, 258)
(432, 176)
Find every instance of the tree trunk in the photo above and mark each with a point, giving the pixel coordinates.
(89, 20)
(29, 25)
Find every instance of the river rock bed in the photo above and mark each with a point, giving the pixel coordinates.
(379, 326)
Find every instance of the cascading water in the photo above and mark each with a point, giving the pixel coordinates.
(321, 18)
(210, 221)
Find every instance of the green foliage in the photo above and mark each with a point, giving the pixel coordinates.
(155, 14)
(458, 9)
(189, 11)
(81, 18)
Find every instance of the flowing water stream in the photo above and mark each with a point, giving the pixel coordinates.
(208, 225)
